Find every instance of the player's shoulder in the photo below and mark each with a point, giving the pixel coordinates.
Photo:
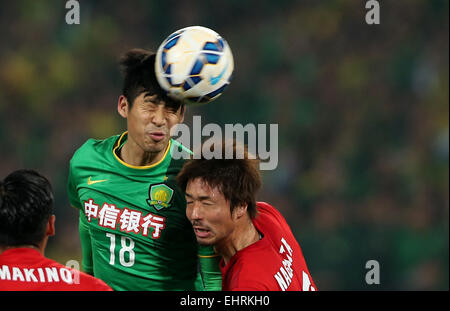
(179, 149)
(78, 280)
(90, 283)
(272, 223)
(179, 154)
(266, 208)
(92, 147)
(268, 213)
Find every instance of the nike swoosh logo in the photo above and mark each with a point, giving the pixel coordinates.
(91, 182)
(214, 80)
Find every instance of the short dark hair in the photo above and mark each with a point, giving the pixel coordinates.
(26, 204)
(138, 66)
(237, 179)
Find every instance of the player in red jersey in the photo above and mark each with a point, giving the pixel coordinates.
(258, 249)
(26, 220)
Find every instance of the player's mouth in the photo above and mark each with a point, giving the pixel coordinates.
(202, 232)
(157, 135)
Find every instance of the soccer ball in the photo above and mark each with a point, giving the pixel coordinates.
(194, 64)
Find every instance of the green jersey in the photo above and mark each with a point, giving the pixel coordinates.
(133, 227)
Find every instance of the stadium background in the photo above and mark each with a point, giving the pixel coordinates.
(362, 113)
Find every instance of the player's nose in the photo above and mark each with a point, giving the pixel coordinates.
(159, 116)
(195, 213)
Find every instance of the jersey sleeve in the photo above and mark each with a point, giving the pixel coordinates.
(87, 264)
(209, 268)
(72, 188)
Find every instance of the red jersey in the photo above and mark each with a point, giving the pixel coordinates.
(27, 269)
(273, 263)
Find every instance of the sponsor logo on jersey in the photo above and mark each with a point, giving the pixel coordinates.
(126, 220)
(160, 196)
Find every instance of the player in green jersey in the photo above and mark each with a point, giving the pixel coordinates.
(133, 228)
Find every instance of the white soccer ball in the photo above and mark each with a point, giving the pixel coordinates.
(194, 64)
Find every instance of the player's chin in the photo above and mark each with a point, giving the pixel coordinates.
(156, 146)
(204, 242)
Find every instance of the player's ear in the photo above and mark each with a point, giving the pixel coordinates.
(182, 111)
(122, 106)
(50, 231)
(240, 211)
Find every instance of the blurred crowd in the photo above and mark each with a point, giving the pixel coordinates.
(363, 115)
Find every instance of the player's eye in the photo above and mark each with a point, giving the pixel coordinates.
(171, 110)
(149, 105)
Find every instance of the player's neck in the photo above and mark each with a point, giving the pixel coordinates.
(244, 235)
(36, 247)
(132, 154)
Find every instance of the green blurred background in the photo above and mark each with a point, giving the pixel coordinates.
(363, 114)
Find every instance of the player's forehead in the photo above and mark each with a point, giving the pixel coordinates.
(198, 188)
(158, 99)
(150, 97)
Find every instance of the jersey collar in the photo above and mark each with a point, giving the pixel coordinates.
(122, 139)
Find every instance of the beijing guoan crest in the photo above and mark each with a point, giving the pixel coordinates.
(160, 196)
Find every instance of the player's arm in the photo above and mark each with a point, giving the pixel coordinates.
(87, 264)
(83, 225)
(209, 268)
